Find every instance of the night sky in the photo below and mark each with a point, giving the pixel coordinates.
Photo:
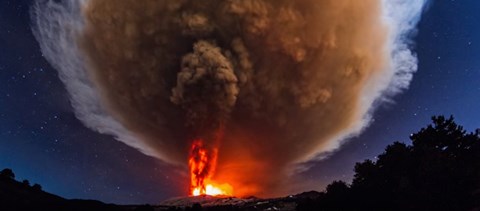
(42, 140)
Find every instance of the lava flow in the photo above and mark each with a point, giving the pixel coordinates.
(202, 163)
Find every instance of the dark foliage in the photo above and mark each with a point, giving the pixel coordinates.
(37, 187)
(7, 174)
(26, 183)
(21, 196)
(439, 171)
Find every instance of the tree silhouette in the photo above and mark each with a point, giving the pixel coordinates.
(337, 188)
(26, 183)
(37, 187)
(7, 174)
(439, 171)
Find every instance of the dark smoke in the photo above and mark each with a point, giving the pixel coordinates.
(207, 86)
(283, 81)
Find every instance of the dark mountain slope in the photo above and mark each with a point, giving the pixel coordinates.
(16, 195)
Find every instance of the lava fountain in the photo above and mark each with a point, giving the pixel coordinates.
(202, 164)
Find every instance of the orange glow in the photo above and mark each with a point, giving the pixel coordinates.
(202, 164)
(213, 190)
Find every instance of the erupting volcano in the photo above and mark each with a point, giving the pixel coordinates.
(202, 164)
(285, 81)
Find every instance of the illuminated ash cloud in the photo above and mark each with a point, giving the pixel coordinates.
(287, 81)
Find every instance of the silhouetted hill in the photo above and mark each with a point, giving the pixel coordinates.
(16, 195)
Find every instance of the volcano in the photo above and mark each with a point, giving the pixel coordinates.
(235, 203)
(202, 164)
(230, 91)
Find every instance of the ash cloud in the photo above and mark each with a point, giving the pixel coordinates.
(286, 81)
(207, 86)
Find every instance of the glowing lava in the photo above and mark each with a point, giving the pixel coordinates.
(202, 167)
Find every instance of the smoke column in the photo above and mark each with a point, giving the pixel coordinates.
(282, 81)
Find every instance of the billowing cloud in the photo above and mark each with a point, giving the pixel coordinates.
(286, 81)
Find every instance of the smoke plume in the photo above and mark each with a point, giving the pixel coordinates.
(282, 81)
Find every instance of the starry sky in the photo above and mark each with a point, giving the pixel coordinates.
(42, 141)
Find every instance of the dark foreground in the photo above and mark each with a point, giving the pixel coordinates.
(439, 170)
(16, 195)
